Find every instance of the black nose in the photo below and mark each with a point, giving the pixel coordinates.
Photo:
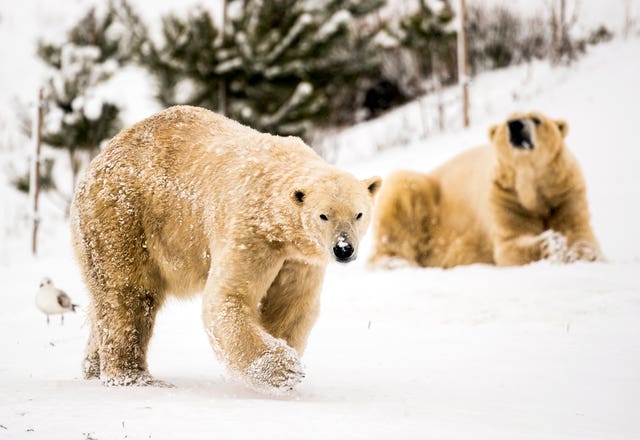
(519, 135)
(515, 127)
(343, 251)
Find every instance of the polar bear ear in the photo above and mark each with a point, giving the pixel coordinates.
(373, 184)
(492, 131)
(298, 196)
(563, 127)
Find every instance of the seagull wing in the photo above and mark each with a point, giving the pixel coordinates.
(64, 300)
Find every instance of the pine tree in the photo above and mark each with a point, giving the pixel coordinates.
(295, 58)
(22, 182)
(185, 62)
(284, 64)
(77, 118)
(117, 31)
(429, 33)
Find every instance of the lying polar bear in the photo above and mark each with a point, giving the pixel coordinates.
(519, 200)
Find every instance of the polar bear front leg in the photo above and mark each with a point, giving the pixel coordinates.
(232, 321)
(527, 248)
(291, 305)
(572, 220)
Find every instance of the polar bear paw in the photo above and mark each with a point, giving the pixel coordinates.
(91, 366)
(138, 379)
(277, 370)
(583, 250)
(553, 246)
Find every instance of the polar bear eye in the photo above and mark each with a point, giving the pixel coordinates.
(324, 217)
(536, 120)
(359, 216)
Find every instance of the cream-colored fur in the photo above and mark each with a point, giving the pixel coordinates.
(496, 204)
(188, 201)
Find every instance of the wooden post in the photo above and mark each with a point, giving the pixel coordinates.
(422, 102)
(564, 37)
(628, 21)
(222, 85)
(435, 72)
(34, 178)
(423, 116)
(441, 114)
(555, 36)
(561, 50)
(463, 66)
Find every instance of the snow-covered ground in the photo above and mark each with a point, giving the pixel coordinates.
(535, 352)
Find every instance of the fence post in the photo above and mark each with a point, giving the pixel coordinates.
(463, 67)
(34, 177)
(441, 114)
(222, 85)
(628, 20)
(423, 116)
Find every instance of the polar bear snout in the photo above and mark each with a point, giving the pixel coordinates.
(519, 134)
(343, 250)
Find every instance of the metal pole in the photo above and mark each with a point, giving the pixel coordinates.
(34, 177)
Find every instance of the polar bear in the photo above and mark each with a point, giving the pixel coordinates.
(188, 201)
(519, 200)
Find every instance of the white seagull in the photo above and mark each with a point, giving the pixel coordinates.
(53, 301)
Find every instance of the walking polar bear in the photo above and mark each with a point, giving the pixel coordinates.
(519, 200)
(187, 201)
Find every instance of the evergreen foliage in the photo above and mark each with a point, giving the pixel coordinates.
(46, 178)
(77, 119)
(430, 34)
(280, 65)
(186, 60)
(118, 32)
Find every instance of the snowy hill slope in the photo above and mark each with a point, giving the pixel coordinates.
(536, 352)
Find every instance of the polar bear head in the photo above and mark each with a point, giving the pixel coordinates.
(335, 211)
(528, 136)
